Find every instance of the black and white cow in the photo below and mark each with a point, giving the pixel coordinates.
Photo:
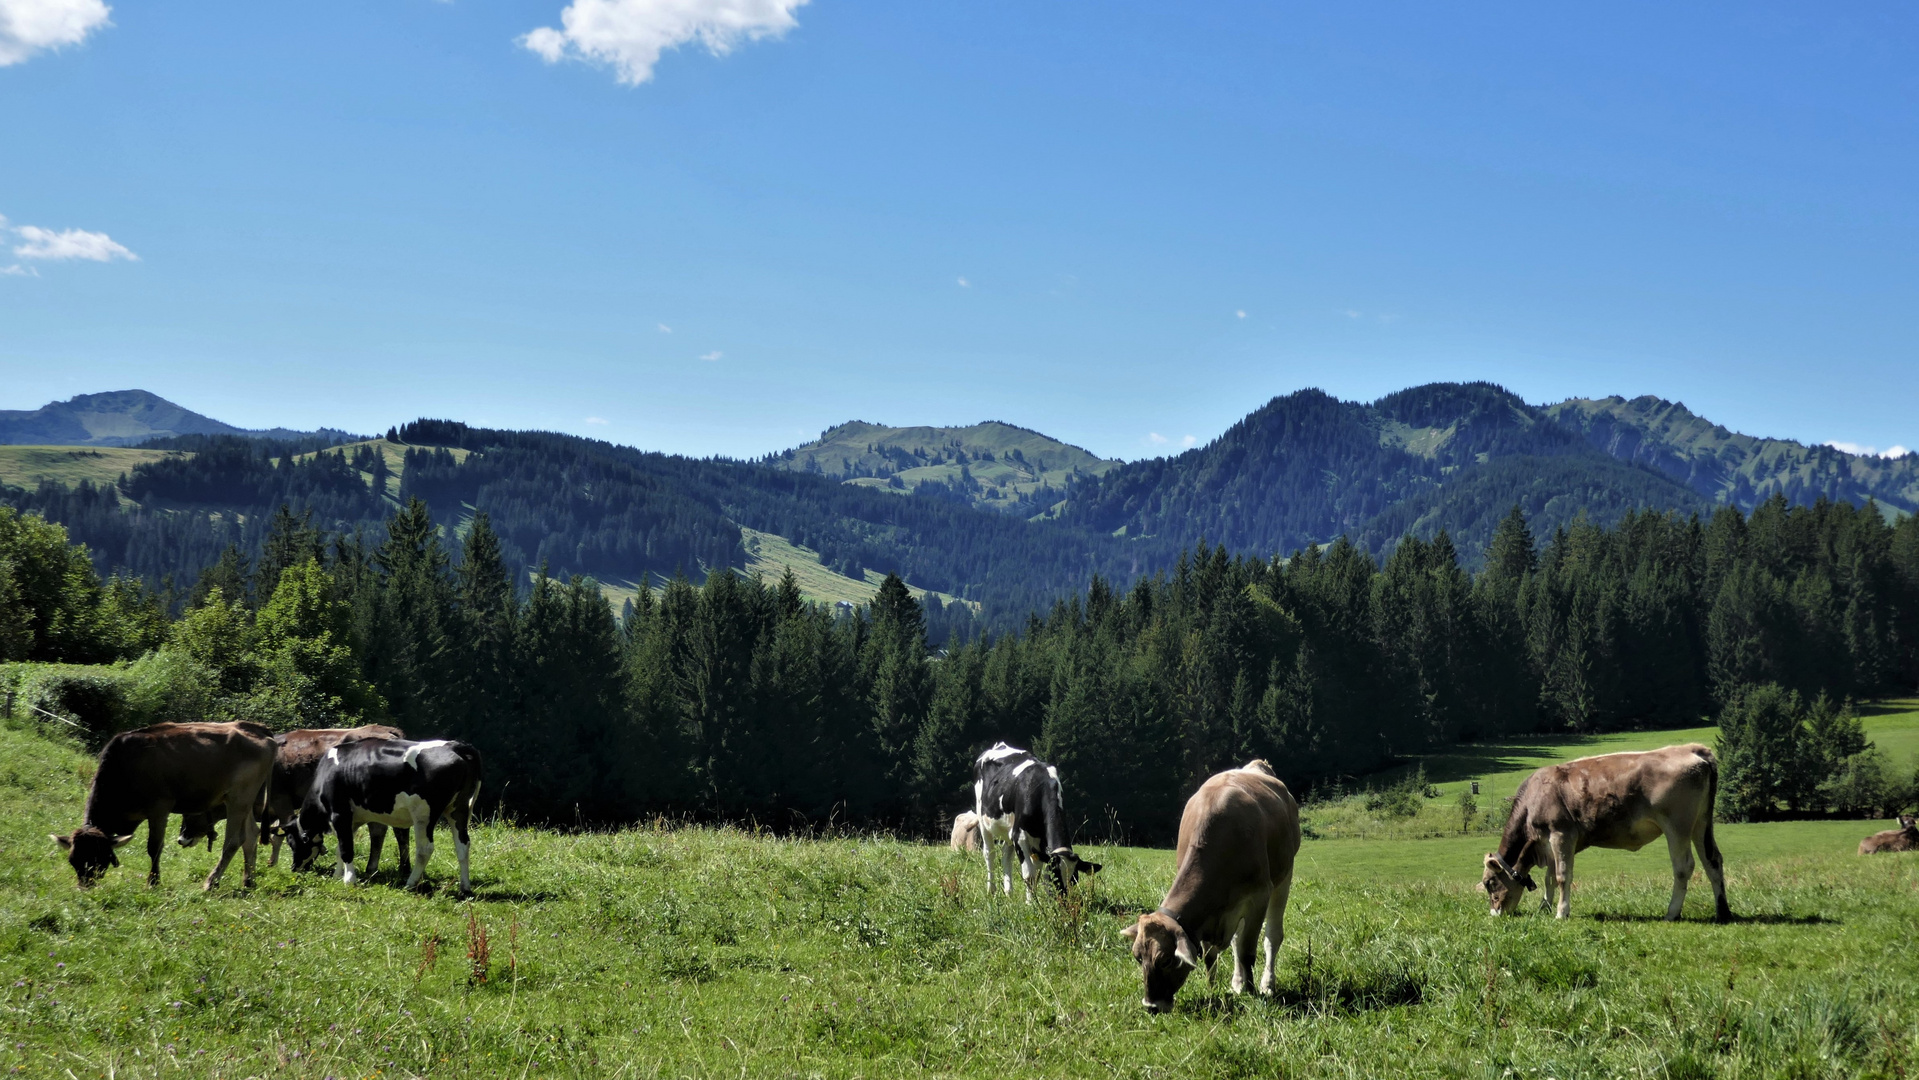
(407, 785)
(1016, 796)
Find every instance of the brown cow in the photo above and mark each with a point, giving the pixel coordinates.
(1237, 840)
(297, 758)
(166, 769)
(1624, 801)
(966, 831)
(1903, 838)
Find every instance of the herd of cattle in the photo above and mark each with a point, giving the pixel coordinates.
(1233, 868)
(299, 786)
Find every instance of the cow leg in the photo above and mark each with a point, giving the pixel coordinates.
(156, 842)
(1562, 869)
(401, 839)
(375, 840)
(278, 835)
(1275, 931)
(422, 848)
(1549, 894)
(1715, 870)
(1679, 846)
(462, 843)
(343, 836)
(1027, 870)
(1246, 939)
(986, 850)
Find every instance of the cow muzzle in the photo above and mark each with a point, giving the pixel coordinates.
(1157, 1007)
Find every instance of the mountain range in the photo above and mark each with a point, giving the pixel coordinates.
(122, 418)
(991, 519)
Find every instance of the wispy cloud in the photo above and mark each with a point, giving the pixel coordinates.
(712, 356)
(1869, 451)
(963, 283)
(1188, 440)
(630, 35)
(16, 270)
(1157, 439)
(1241, 313)
(597, 420)
(665, 329)
(31, 26)
(69, 244)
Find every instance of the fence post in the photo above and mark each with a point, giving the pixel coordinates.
(8, 712)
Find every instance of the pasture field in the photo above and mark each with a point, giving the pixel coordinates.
(680, 951)
(30, 466)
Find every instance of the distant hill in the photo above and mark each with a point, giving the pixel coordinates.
(992, 466)
(1307, 468)
(123, 418)
(1730, 468)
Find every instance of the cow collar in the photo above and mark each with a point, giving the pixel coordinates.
(1162, 911)
(1059, 851)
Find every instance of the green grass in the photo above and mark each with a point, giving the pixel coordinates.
(770, 554)
(718, 952)
(1046, 461)
(30, 466)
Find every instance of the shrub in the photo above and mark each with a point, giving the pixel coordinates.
(169, 686)
(91, 697)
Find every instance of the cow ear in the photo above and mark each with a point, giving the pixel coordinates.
(1492, 861)
(1530, 884)
(1089, 868)
(120, 841)
(1131, 933)
(1183, 949)
(65, 842)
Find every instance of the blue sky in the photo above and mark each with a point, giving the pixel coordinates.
(1121, 224)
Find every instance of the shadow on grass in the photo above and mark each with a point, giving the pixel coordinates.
(1756, 920)
(1467, 761)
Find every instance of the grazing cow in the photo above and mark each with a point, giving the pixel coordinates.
(392, 782)
(297, 757)
(1234, 870)
(294, 763)
(1017, 805)
(966, 831)
(166, 769)
(1903, 838)
(1624, 801)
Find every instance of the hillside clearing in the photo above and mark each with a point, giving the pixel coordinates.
(31, 466)
(709, 952)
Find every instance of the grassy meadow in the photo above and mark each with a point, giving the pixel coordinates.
(30, 466)
(679, 951)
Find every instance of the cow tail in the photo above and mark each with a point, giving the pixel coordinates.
(1712, 811)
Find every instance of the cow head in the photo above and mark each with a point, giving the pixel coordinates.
(197, 827)
(306, 835)
(1907, 821)
(1066, 868)
(1165, 955)
(1504, 884)
(90, 852)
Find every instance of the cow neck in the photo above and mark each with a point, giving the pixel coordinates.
(1054, 817)
(104, 812)
(1516, 844)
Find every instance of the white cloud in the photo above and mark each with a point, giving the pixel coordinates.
(1241, 313)
(963, 283)
(714, 355)
(69, 244)
(29, 26)
(596, 420)
(1188, 441)
(1869, 451)
(665, 329)
(16, 270)
(630, 35)
(1156, 438)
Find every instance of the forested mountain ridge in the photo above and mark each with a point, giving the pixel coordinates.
(121, 418)
(992, 465)
(1734, 469)
(1307, 468)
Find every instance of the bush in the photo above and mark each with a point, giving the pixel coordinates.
(92, 697)
(169, 686)
(1402, 800)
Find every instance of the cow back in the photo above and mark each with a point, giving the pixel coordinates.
(178, 768)
(1239, 833)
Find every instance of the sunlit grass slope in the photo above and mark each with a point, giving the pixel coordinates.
(715, 952)
(30, 466)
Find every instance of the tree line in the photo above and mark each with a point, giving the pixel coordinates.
(735, 698)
